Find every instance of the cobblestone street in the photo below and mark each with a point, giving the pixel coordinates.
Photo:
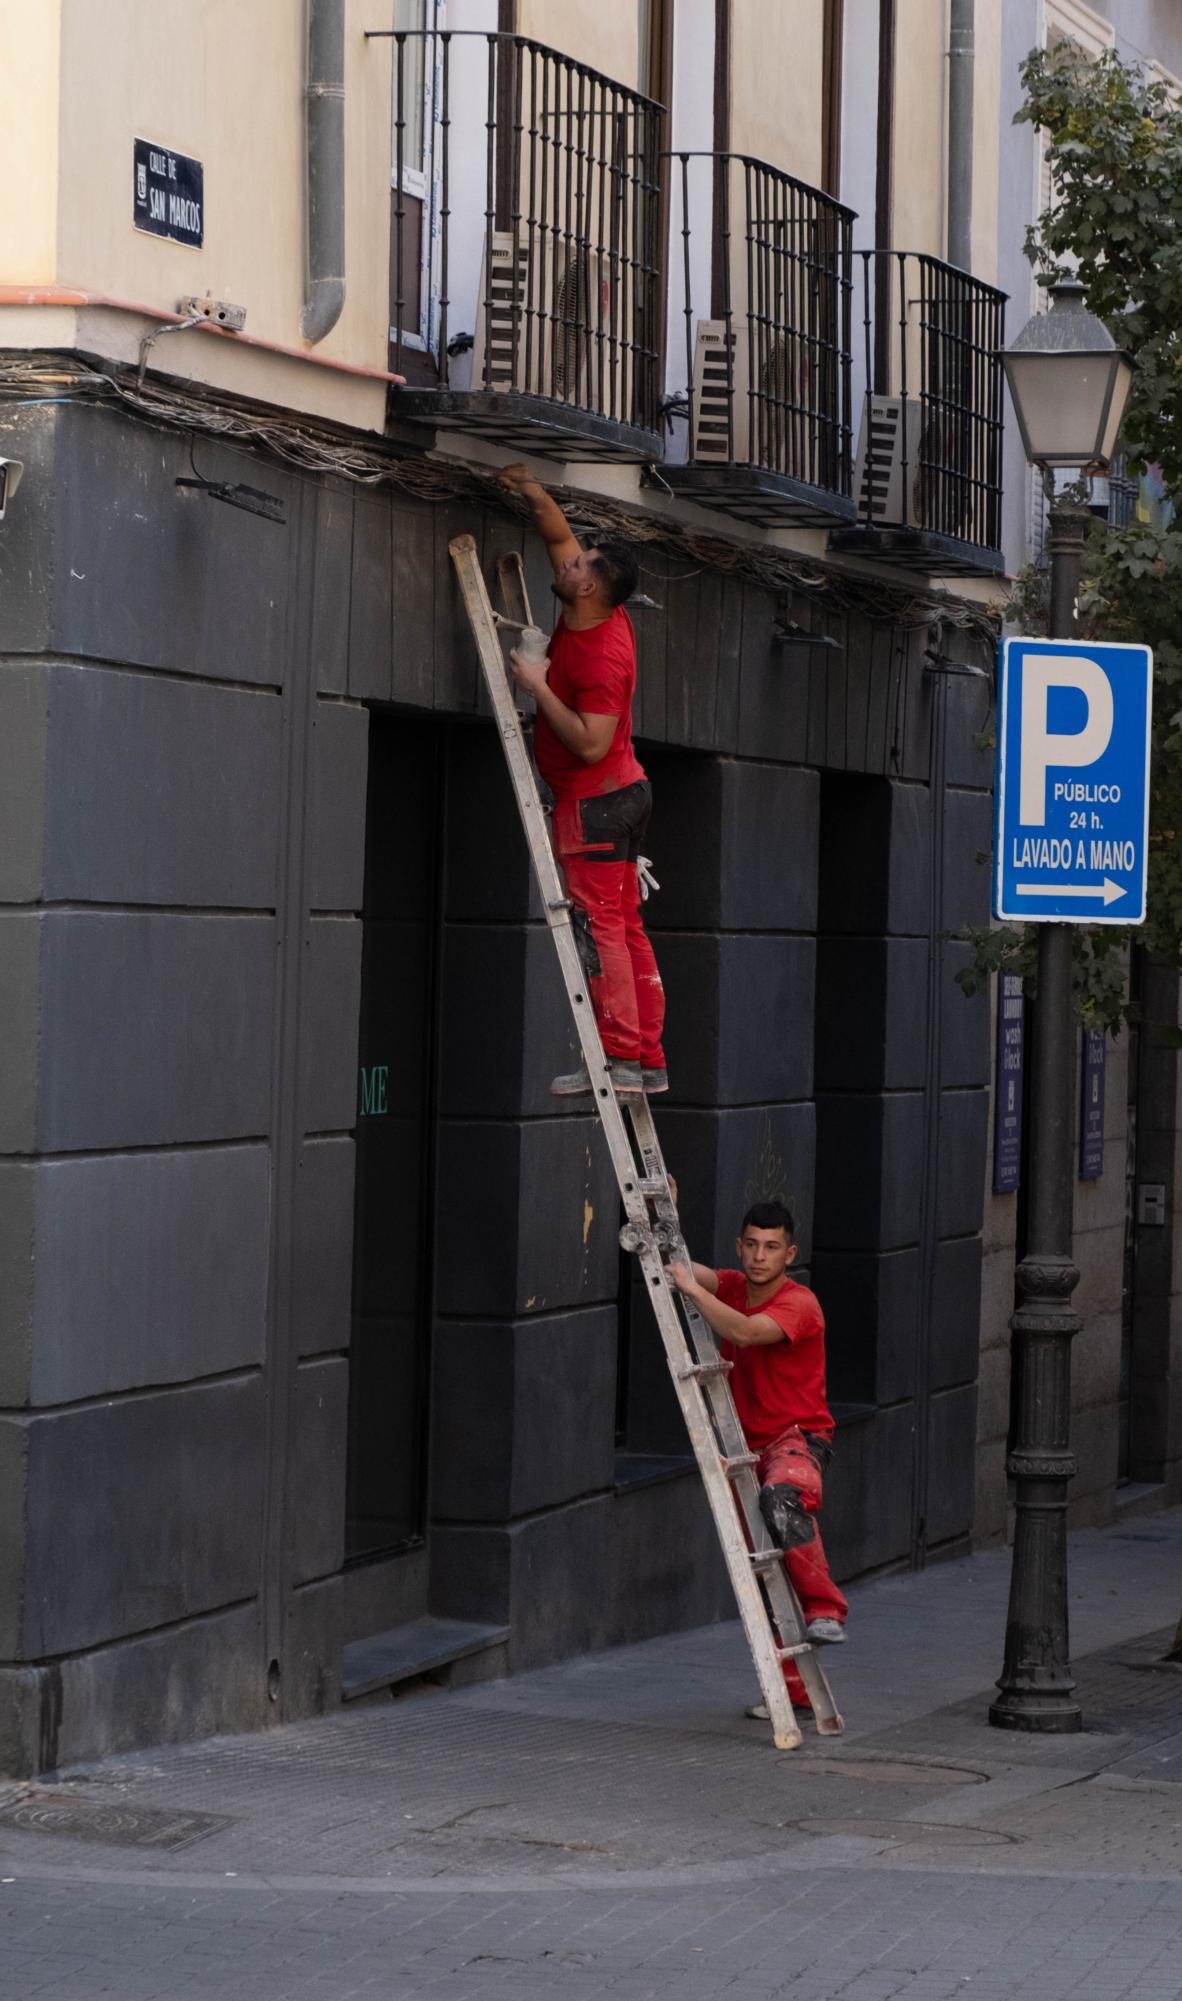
(614, 1826)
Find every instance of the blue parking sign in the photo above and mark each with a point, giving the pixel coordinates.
(1071, 803)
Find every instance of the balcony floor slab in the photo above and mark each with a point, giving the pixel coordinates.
(539, 425)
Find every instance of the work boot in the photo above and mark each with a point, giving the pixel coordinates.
(626, 1080)
(788, 1524)
(655, 1082)
(760, 1713)
(825, 1632)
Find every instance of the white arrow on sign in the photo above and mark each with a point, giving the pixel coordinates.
(1108, 889)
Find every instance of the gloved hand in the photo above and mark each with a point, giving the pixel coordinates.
(648, 881)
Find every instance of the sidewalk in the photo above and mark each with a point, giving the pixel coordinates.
(614, 1826)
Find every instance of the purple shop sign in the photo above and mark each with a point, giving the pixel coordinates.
(1007, 1095)
(1091, 1106)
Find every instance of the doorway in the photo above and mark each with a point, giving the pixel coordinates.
(393, 1279)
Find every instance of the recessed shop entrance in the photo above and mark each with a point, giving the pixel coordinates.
(389, 1372)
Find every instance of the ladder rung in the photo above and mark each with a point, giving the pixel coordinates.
(738, 1460)
(654, 1186)
(703, 1371)
(559, 903)
(766, 1559)
(790, 1653)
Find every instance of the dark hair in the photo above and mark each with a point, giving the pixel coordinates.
(769, 1216)
(617, 569)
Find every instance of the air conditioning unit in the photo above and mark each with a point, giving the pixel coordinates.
(545, 311)
(894, 438)
(721, 377)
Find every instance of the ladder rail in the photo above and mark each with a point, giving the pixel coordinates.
(770, 1613)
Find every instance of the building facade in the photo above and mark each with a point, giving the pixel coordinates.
(1127, 1360)
(322, 1365)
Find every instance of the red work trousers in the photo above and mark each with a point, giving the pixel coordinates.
(789, 1462)
(597, 841)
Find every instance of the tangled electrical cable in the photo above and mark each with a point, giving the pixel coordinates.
(54, 378)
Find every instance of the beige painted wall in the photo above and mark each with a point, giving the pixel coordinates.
(603, 33)
(776, 84)
(223, 82)
(30, 47)
(919, 172)
(987, 139)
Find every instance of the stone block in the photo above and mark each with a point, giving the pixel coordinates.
(336, 829)
(160, 1028)
(544, 1390)
(876, 860)
(871, 993)
(24, 742)
(740, 1017)
(737, 842)
(724, 1161)
(870, 1164)
(955, 1333)
(20, 983)
(866, 1518)
(310, 1682)
(964, 1025)
(323, 1246)
(652, 1418)
(871, 1304)
(543, 1232)
(964, 1118)
(160, 791)
(654, 1547)
(197, 1680)
(113, 1285)
(162, 578)
(125, 1516)
(968, 834)
(330, 998)
(316, 1503)
(505, 1023)
(489, 879)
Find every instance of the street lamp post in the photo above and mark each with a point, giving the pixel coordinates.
(1069, 383)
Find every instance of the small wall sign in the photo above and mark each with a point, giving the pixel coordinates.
(1091, 1107)
(1007, 1094)
(168, 194)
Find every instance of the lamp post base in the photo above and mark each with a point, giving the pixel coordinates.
(1052, 1714)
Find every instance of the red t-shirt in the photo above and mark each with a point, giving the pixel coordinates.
(592, 670)
(783, 1382)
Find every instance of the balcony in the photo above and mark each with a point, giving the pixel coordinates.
(927, 476)
(768, 372)
(524, 263)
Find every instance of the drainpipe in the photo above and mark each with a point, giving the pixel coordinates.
(324, 93)
(960, 134)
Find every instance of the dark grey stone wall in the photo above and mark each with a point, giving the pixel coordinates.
(185, 698)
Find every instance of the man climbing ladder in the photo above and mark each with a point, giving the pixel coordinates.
(771, 1615)
(602, 799)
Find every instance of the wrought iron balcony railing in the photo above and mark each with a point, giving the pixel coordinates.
(927, 477)
(525, 294)
(765, 281)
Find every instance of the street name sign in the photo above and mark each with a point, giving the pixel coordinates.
(1071, 802)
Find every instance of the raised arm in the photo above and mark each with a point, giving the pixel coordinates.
(756, 1330)
(549, 519)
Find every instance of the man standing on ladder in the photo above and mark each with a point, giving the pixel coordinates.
(602, 799)
(772, 1332)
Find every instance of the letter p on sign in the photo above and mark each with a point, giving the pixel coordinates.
(1042, 749)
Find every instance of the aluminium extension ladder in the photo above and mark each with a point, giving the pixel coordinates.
(771, 1615)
